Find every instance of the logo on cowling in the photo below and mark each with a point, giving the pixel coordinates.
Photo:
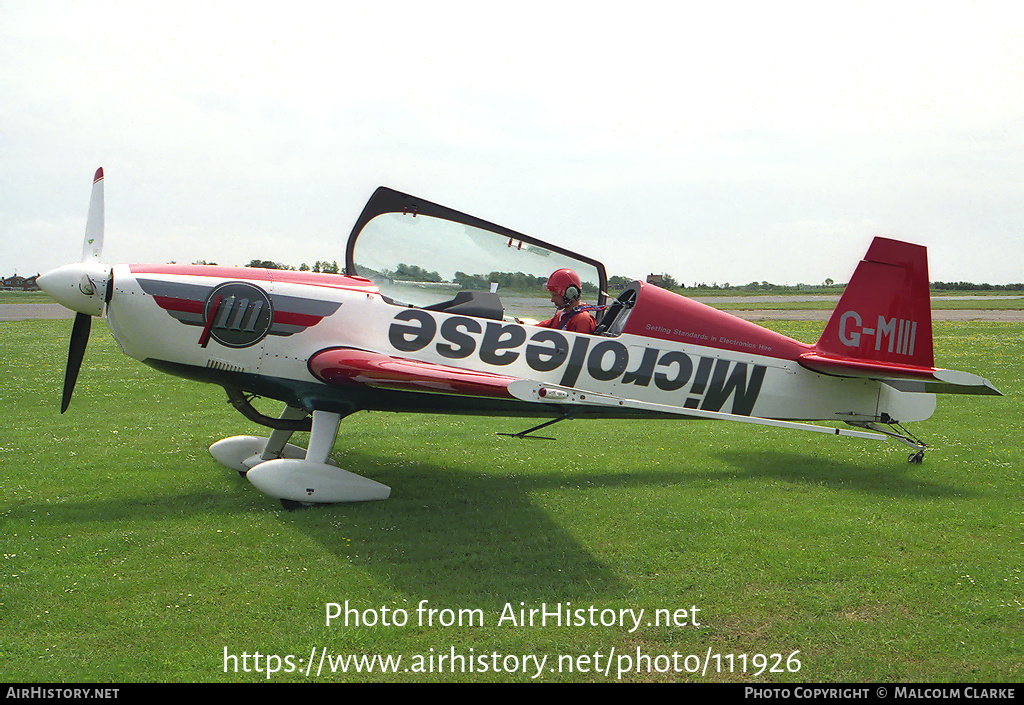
(236, 315)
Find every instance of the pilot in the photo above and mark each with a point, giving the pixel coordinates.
(572, 314)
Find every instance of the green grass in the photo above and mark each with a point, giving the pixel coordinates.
(25, 297)
(130, 555)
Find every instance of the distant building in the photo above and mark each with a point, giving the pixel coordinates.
(18, 283)
(656, 279)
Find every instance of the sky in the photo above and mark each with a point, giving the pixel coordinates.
(716, 142)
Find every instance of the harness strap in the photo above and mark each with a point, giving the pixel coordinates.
(577, 310)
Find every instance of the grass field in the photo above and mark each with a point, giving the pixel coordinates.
(25, 297)
(130, 555)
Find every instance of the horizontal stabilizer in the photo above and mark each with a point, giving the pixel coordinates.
(906, 378)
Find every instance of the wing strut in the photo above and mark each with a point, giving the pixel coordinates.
(535, 391)
(527, 432)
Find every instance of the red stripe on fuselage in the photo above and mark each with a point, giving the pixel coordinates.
(285, 318)
(288, 318)
(331, 281)
(169, 303)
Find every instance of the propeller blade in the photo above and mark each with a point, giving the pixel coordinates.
(93, 245)
(76, 351)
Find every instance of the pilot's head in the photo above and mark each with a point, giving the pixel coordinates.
(565, 287)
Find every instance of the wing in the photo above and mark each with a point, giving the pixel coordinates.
(342, 366)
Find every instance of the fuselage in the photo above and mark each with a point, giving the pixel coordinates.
(257, 329)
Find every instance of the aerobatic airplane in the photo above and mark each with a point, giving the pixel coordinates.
(416, 324)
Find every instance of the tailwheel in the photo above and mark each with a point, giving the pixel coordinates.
(897, 431)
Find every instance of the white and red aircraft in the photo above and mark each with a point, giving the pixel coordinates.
(416, 325)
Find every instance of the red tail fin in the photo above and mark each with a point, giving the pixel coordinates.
(885, 313)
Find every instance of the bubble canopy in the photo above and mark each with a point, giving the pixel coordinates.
(421, 253)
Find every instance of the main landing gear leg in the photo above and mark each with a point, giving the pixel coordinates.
(242, 453)
(277, 445)
(297, 476)
(311, 480)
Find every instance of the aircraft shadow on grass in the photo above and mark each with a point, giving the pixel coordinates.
(453, 534)
(448, 535)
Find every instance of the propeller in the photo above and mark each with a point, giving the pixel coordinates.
(82, 287)
(76, 352)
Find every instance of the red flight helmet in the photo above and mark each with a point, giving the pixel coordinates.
(566, 283)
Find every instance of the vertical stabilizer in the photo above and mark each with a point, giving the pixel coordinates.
(885, 313)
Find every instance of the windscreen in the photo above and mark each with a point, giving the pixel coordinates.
(422, 259)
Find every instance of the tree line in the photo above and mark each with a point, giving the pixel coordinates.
(318, 266)
(968, 286)
(523, 282)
